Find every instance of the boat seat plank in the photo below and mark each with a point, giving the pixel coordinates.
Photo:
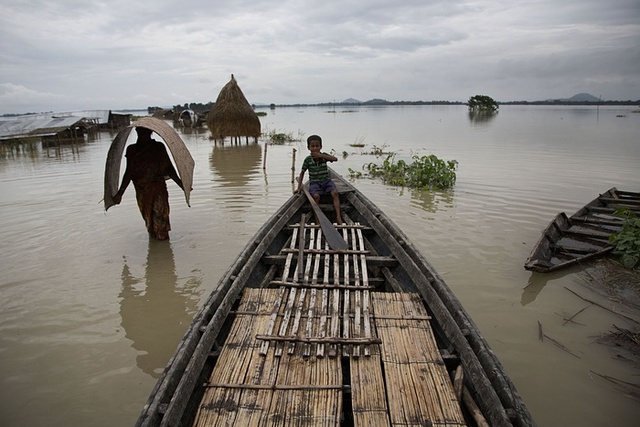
(601, 222)
(587, 233)
(610, 209)
(373, 261)
(620, 201)
(629, 194)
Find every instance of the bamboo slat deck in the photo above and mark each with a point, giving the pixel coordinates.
(321, 339)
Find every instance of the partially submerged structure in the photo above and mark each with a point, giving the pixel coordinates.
(189, 118)
(47, 127)
(61, 127)
(163, 114)
(117, 120)
(105, 119)
(232, 115)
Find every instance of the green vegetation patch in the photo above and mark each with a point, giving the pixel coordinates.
(627, 240)
(482, 103)
(424, 172)
(280, 138)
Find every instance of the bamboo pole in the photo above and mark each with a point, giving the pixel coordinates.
(473, 408)
(293, 166)
(264, 161)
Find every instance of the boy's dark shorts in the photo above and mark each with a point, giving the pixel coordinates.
(324, 187)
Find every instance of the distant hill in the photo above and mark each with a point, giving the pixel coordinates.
(584, 97)
(374, 101)
(581, 97)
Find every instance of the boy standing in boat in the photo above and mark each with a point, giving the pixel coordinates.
(319, 181)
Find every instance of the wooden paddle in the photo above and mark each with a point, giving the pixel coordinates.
(334, 238)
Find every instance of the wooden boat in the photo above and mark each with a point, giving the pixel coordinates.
(297, 333)
(584, 235)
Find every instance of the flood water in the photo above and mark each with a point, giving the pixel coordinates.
(91, 309)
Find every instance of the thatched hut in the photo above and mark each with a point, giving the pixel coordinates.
(232, 115)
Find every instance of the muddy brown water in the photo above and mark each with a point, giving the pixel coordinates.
(91, 310)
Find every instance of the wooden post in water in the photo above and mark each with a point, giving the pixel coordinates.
(264, 162)
(293, 166)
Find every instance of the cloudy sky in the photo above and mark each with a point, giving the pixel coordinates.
(61, 55)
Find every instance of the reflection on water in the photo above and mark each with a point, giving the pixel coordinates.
(431, 201)
(235, 168)
(35, 149)
(533, 288)
(188, 130)
(481, 117)
(60, 149)
(12, 150)
(153, 309)
(538, 281)
(235, 163)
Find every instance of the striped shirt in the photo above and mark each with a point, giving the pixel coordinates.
(317, 168)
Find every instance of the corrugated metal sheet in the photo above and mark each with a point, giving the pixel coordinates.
(101, 115)
(46, 124)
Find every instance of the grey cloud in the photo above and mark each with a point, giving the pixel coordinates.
(126, 53)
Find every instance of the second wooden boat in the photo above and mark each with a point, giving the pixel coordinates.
(584, 235)
(297, 333)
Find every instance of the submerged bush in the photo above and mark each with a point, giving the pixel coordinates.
(425, 172)
(627, 241)
(280, 138)
(380, 151)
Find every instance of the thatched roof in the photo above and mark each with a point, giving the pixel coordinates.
(232, 115)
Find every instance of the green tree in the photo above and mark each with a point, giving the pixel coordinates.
(482, 103)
